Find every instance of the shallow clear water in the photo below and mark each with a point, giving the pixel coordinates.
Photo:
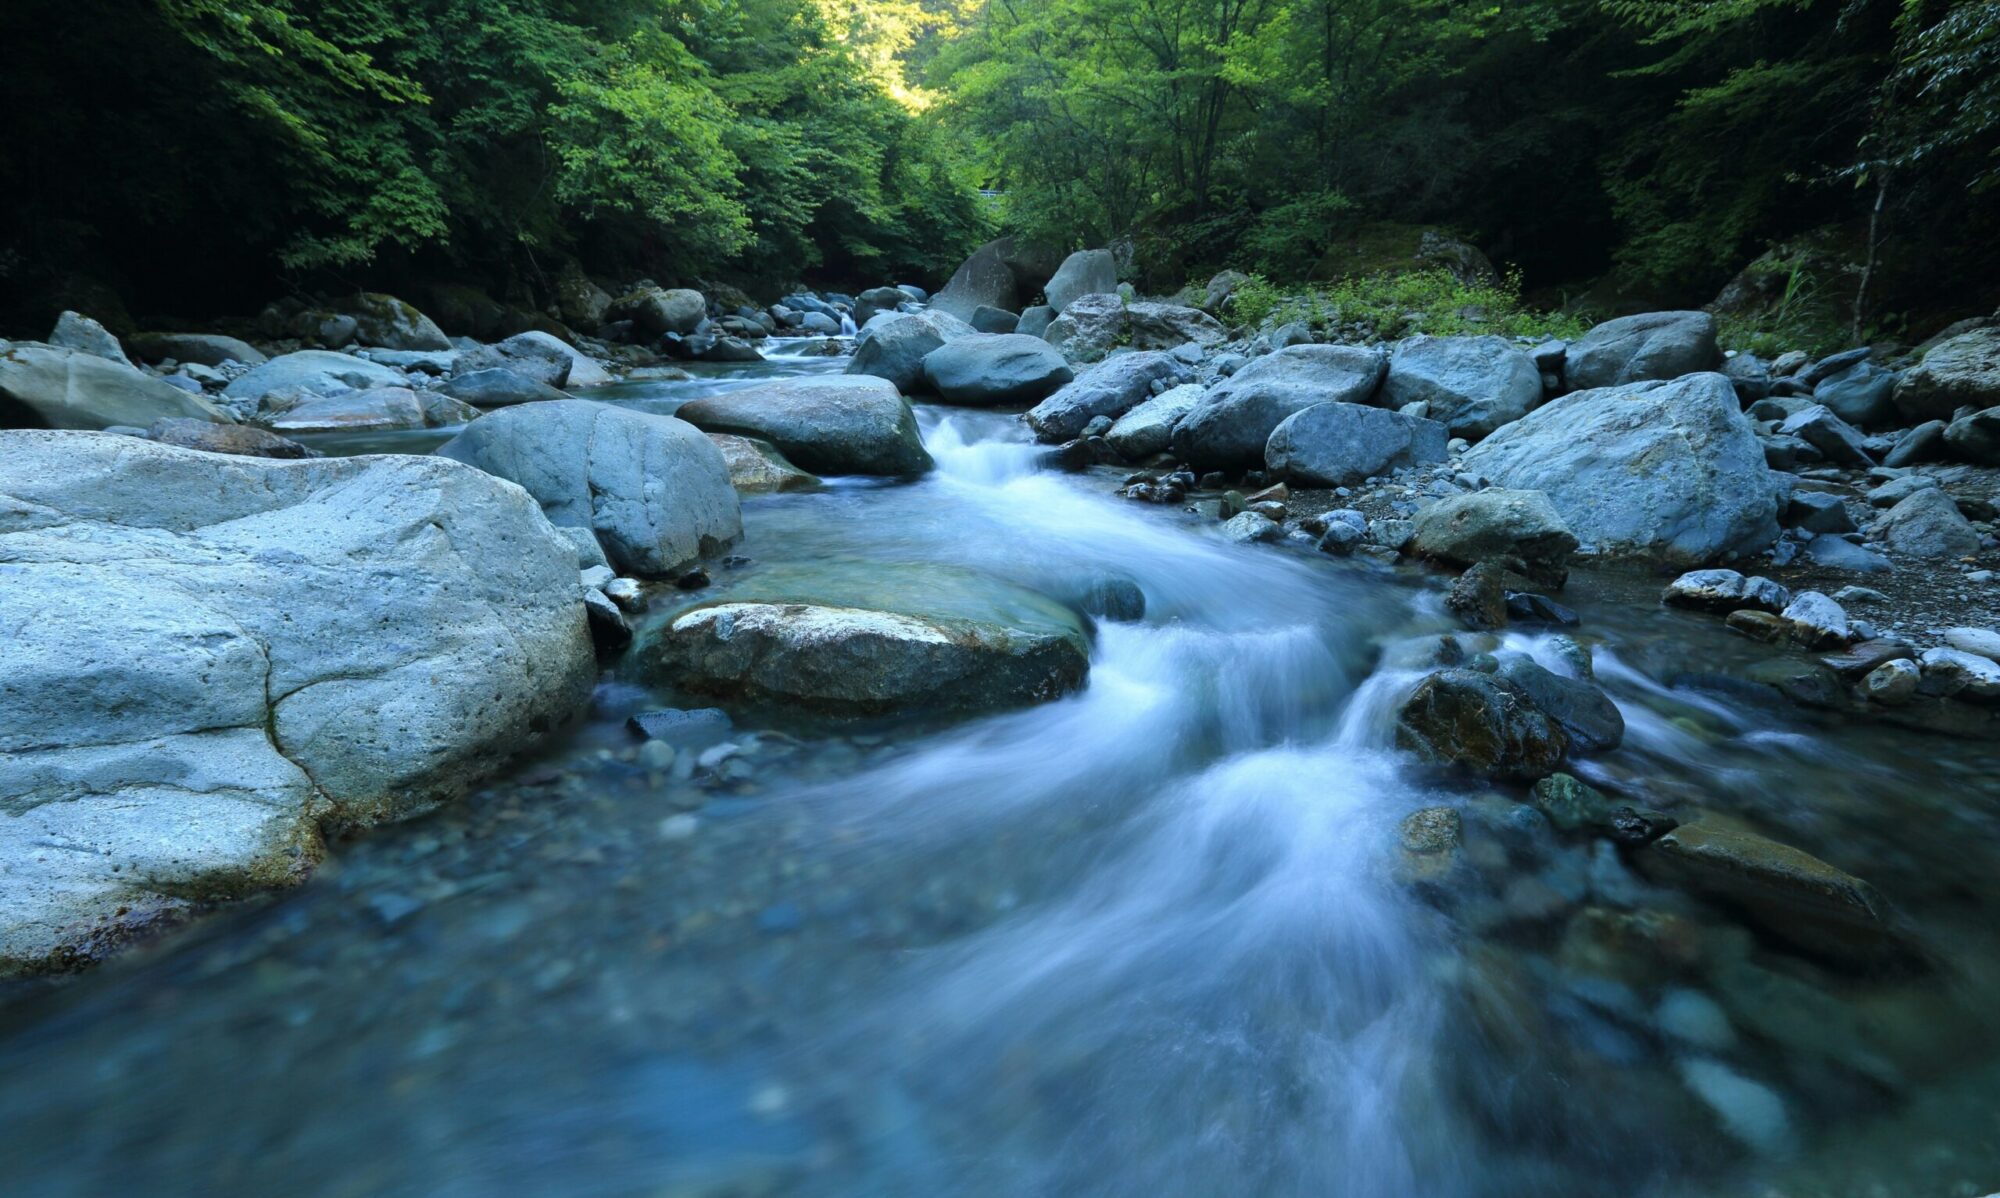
(1156, 938)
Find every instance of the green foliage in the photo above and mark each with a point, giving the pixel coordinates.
(673, 137)
(1388, 306)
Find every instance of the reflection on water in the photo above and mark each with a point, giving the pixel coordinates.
(1156, 938)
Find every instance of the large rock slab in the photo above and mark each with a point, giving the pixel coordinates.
(1229, 429)
(875, 641)
(1927, 524)
(653, 488)
(1471, 385)
(1111, 388)
(1086, 272)
(828, 424)
(318, 370)
(1961, 372)
(1000, 274)
(1651, 345)
(268, 649)
(76, 331)
(995, 368)
(895, 349)
(1149, 428)
(1523, 526)
(207, 349)
(1096, 325)
(657, 311)
(1670, 473)
(47, 386)
(390, 323)
(1340, 444)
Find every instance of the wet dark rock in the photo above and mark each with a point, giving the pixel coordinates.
(240, 439)
(1858, 660)
(1509, 526)
(1529, 607)
(1570, 805)
(1786, 891)
(1585, 713)
(1464, 718)
(1634, 826)
(1924, 443)
(1478, 598)
(1818, 511)
(1758, 625)
(608, 627)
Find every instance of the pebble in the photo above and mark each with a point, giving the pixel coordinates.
(1694, 1018)
(656, 755)
(1856, 596)
(1748, 1110)
(679, 827)
(1893, 683)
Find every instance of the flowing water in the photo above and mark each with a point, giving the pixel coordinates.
(1158, 938)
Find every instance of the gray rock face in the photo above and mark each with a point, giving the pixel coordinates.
(79, 332)
(995, 368)
(498, 387)
(318, 370)
(1111, 388)
(1035, 321)
(1975, 437)
(1523, 526)
(579, 301)
(1095, 325)
(390, 323)
(757, 468)
(272, 648)
(999, 274)
(1149, 428)
(1861, 394)
(376, 409)
(1479, 722)
(1230, 427)
(46, 386)
(1962, 372)
(1340, 444)
(838, 424)
(1652, 345)
(1725, 591)
(654, 489)
(540, 356)
(994, 320)
(1086, 272)
(1665, 472)
(207, 349)
(657, 311)
(1472, 385)
(1818, 427)
(1580, 708)
(935, 641)
(895, 349)
(1927, 524)
(877, 299)
(240, 439)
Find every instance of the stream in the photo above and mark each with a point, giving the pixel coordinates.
(1156, 938)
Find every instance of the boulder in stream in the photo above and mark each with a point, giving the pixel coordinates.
(828, 424)
(654, 489)
(1482, 723)
(875, 641)
(270, 649)
(995, 368)
(47, 386)
(1231, 426)
(1111, 388)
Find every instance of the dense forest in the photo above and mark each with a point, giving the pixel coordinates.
(201, 155)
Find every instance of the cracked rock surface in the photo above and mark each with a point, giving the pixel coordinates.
(206, 662)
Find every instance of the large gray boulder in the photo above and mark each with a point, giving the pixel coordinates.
(653, 488)
(1495, 525)
(1862, 394)
(895, 349)
(1149, 428)
(876, 300)
(1111, 388)
(385, 321)
(543, 357)
(207, 349)
(76, 331)
(1481, 723)
(1086, 272)
(1472, 385)
(318, 370)
(1094, 326)
(1670, 473)
(47, 386)
(214, 659)
(657, 311)
(995, 368)
(1975, 437)
(1000, 274)
(1229, 428)
(498, 387)
(1927, 524)
(1651, 345)
(1961, 372)
(1340, 444)
(879, 641)
(828, 424)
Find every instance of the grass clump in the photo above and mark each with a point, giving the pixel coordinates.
(1389, 306)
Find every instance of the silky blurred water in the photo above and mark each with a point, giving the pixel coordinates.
(1157, 938)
